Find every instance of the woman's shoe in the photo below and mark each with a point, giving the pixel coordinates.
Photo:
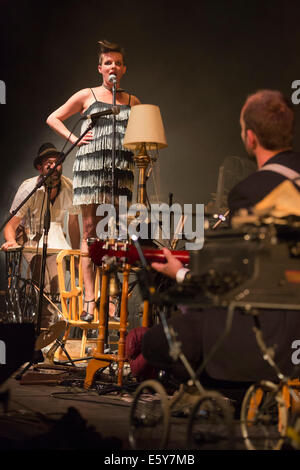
(113, 314)
(85, 315)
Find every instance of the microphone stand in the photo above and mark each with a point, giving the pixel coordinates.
(37, 356)
(47, 219)
(113, 149)
(112, 223)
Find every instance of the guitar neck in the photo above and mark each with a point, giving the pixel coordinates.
(97, 252)
(158, 256)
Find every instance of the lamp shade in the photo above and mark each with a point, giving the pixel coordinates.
(145, 126)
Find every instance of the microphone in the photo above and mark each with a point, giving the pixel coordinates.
(106, 112)
(112, 78)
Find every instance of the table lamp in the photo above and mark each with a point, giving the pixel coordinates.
(145, 131)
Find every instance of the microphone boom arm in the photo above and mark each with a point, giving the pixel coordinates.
(48, 175)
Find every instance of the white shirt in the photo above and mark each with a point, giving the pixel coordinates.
(180, 275)
(36, 205)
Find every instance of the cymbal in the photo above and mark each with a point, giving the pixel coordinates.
(50, 334)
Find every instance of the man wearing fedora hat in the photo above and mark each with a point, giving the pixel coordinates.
(31, 216)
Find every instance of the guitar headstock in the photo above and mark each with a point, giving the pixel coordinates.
(122, 251)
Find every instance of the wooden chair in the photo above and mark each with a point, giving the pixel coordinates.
(72, 298)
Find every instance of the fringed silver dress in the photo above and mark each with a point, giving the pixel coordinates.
(92, 170)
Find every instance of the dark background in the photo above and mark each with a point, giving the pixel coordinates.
(196, 60)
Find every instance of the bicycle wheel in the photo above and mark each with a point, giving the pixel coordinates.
(263, 417)
(293, 431)
(149, 417)
(211, 423)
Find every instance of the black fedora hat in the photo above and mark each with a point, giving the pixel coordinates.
(45, 151)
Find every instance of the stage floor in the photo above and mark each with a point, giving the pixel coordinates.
(50, 409)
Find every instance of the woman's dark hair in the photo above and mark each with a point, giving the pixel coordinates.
(106, 46)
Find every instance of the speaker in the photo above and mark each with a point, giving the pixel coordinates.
(16, 347)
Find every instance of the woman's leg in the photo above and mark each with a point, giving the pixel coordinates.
(89, 223)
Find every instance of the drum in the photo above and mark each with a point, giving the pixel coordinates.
(22, 294)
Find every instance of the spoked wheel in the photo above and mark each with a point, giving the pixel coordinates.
(211, 423)
(293, 431)
(149, 417)
(263, 417)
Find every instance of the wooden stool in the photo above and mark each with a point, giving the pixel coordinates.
(100, 359)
